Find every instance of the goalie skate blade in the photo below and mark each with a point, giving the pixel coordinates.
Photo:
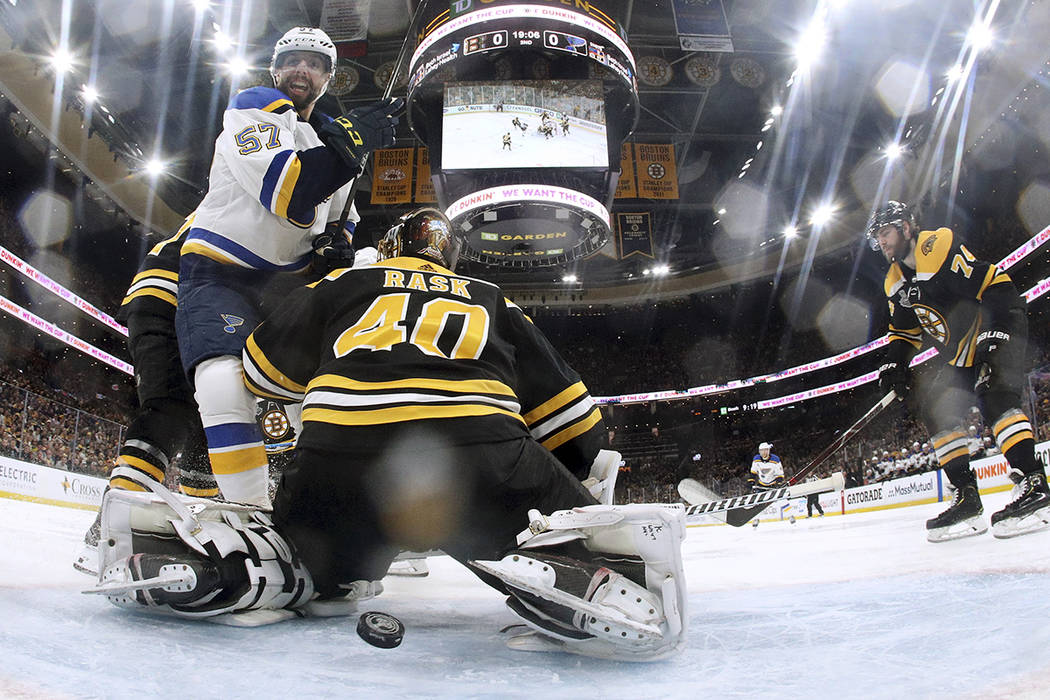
(599, 612)
(534, 641)
(252, 618)
(1015, 527)
(965, 528)
(86, 561)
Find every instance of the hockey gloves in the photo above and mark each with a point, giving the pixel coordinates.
(895, 376)
(360, 131)
(989, 359)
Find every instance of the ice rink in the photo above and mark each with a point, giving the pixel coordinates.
(856, 606)
(474, 140)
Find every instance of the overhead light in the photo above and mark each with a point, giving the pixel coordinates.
(776, 110)
(894, 151)
(222, 42)
(568, 278)
(201, 5)
(61, 60)
(790, 232)
(758, 146)
(721, 211)
(237, 66)
(89, 94)
(821, 215)
(980, 35)
(811, 43)
(954, 73)
(155, 167)
(766, 127)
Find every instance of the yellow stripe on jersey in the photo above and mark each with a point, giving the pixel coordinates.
(967, 346)
(995, 276)
(277, 104)
(912, 336)
(201, 493)
(266, 367)
(894, 279)
(182, 229)
(400, 414)
(459, 386)
(238, 461)
(172, 275)
(193, 247)
(574, 430)
(288, 182)
(553, 404)
(142, 465)
(158, 293)
(1021, 430)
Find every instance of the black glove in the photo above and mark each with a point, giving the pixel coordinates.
(992, 347)
(896, 376)
(360, 131)
(334, 250)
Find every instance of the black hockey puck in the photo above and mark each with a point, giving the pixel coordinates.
(380, 630)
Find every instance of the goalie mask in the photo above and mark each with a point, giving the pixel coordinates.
(424, 233)
(894, 213)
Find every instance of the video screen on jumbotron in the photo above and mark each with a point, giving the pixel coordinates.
(524, 124)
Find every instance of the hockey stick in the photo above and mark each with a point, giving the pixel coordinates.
(386, 95)
(741, 509)
(697, 505)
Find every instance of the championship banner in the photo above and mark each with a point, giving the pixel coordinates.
(636, 233)
(626, 188)
(346, 23)
(424, 185)
(657, 173)
(701, 26)
(392, 176)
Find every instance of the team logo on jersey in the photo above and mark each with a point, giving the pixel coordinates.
(232, 322)
(275, 424)
(933, 323)
(927, 245)
(909, 296)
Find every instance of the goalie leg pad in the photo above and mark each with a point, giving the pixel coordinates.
(236, 559)
(636, 613)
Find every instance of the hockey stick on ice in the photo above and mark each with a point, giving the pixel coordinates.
(745, 509)
(386, 95)
(697, 504)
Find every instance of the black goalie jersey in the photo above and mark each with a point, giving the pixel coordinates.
(404, 344)
(950, 295)
(154, 290)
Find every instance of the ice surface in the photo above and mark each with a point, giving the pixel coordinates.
(857, 606)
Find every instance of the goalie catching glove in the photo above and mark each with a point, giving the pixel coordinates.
(360, 131)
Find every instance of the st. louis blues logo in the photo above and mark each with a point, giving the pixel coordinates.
(232, 322)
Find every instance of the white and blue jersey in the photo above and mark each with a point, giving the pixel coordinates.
(766, 472)
(271, 187)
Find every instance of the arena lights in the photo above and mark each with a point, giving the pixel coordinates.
(200, 5)
(811, 43)
(569, 279)
(789, 232)
(62, 60)
(822, 215)
(223, 43)
(980, 35)
(954, 73)
(894, 151)
(776, 110)
(89, 94)
(155, 167)
(237, 66)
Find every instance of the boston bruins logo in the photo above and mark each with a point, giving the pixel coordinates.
(933, 323)
(927, 245)
(275, 424)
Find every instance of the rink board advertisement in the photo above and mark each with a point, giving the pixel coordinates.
(992, 476)
(24, 481)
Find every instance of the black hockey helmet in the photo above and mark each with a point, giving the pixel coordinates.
(422, 233)
(894, 213)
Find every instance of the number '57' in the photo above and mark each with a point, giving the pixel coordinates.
(250, 143)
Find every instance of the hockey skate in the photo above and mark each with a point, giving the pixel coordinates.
(1028, 510)
(627, 602)
(962, 519)
(86, 559)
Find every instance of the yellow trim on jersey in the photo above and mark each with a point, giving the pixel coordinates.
(399, 414)
(267, 368)
(995, 276)
(156, 272)
(912, 336)
(967, 346)
(459, 386)
(142, 465)
(182, 229)
(237, 461)
(931, 250)
(158, 293)
(574, 430)
(284, 194)
(125, 484)
(553, 404)
(277, 104)
(202, 493)
(1016, 438)
(193, 247)
(894, 279)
